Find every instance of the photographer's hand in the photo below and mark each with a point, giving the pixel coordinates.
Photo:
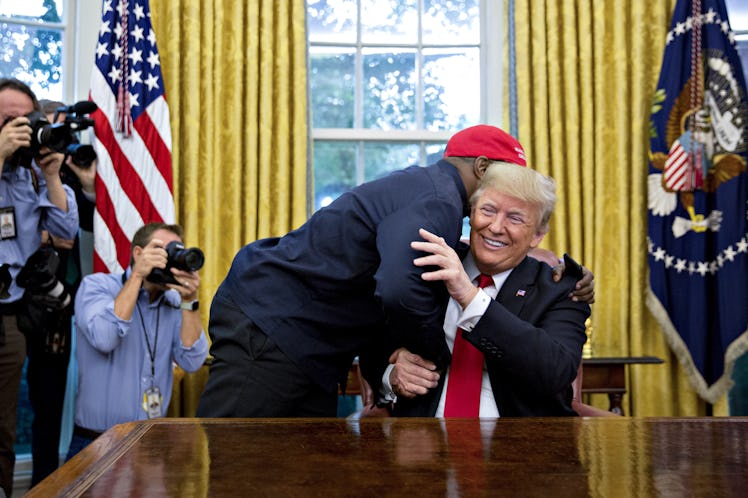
(87, 176)
(50, 163)
(145, 259)
(189, 282)
(153, 255)
(14, 134)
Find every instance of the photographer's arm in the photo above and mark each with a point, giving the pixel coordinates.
(50, 162)
(87, 177)
(192, 326)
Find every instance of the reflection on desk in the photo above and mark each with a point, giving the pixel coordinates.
(606, 456)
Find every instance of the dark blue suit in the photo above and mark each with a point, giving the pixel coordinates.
(294, 311)
(531, 336)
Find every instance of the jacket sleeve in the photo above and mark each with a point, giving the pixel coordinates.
(414, 308)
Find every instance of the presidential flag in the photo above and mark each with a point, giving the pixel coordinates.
(132, 130)
(698, 197)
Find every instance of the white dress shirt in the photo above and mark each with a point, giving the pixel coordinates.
(466, 319)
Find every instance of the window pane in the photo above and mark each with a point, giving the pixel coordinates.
(32, 10)
(389, 21)
(334, 170)
(451, 22)
(451, 79)
(434, 152)
(332, 87)
(381, 158)
(332, 20)
(34, 56)
(389, 90)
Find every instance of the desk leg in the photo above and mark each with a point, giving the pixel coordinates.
(616, 403)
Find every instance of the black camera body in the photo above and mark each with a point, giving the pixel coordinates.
(179, 257)
(60, 137)
(39, 277)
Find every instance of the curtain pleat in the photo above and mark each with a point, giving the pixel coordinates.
(586, 73)
(235, 75)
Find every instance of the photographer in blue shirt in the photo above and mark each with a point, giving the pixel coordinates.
(32, 199)
(130, 327)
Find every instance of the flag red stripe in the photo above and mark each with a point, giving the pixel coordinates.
(158, 149)
(129, 179)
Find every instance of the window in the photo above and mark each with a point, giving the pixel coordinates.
(32, 39)
(389, 82)
(737, 11)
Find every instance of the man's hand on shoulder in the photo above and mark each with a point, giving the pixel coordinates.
(585, 288)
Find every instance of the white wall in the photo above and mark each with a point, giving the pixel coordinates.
(85, 18)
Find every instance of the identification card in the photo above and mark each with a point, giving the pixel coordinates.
(152, 402)
(8, 223)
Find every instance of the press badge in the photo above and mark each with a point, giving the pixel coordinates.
(8, 223)
(152, 402)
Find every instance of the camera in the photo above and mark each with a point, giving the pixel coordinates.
(82, 155)
(60, 137)
(179, 257)
(39, 277)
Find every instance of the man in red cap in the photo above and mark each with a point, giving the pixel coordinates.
(294, 311)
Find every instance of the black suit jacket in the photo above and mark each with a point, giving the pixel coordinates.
(532, 337)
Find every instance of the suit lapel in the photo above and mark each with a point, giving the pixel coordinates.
(518, 286)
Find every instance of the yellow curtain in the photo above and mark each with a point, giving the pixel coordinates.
(235, 76)
(586, 73)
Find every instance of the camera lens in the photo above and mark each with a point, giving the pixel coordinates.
(192, 258)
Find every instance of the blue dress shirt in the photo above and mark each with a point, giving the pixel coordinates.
(114, 364)
(33, 213)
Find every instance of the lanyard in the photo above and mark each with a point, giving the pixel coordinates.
(151, 352)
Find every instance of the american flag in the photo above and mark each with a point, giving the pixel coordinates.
(133, 134)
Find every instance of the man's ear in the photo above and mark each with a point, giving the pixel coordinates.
(537, 239)
(480, 165)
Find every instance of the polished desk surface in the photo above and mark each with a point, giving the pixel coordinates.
(606, 456)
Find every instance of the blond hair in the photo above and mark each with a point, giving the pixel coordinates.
(521, 183)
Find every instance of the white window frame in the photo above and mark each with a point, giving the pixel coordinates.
(491, 84)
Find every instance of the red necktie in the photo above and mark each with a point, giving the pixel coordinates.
(465, 373)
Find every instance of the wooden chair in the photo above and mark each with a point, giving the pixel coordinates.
(582, 409)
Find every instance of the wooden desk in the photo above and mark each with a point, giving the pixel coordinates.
(603, 456)
(608, 376)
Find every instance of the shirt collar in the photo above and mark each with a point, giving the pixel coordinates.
(468, 263)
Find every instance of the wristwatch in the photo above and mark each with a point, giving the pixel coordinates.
(190, 305)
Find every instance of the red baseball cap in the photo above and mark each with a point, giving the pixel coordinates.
(486, 140)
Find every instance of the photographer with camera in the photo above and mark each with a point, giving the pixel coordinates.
(78, 171)
(49, 349)
(129, 329)
(32, 199)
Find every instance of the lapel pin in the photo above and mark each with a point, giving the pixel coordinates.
(520, 293)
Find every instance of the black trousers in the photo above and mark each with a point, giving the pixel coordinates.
(251, 377)
(46, 374)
